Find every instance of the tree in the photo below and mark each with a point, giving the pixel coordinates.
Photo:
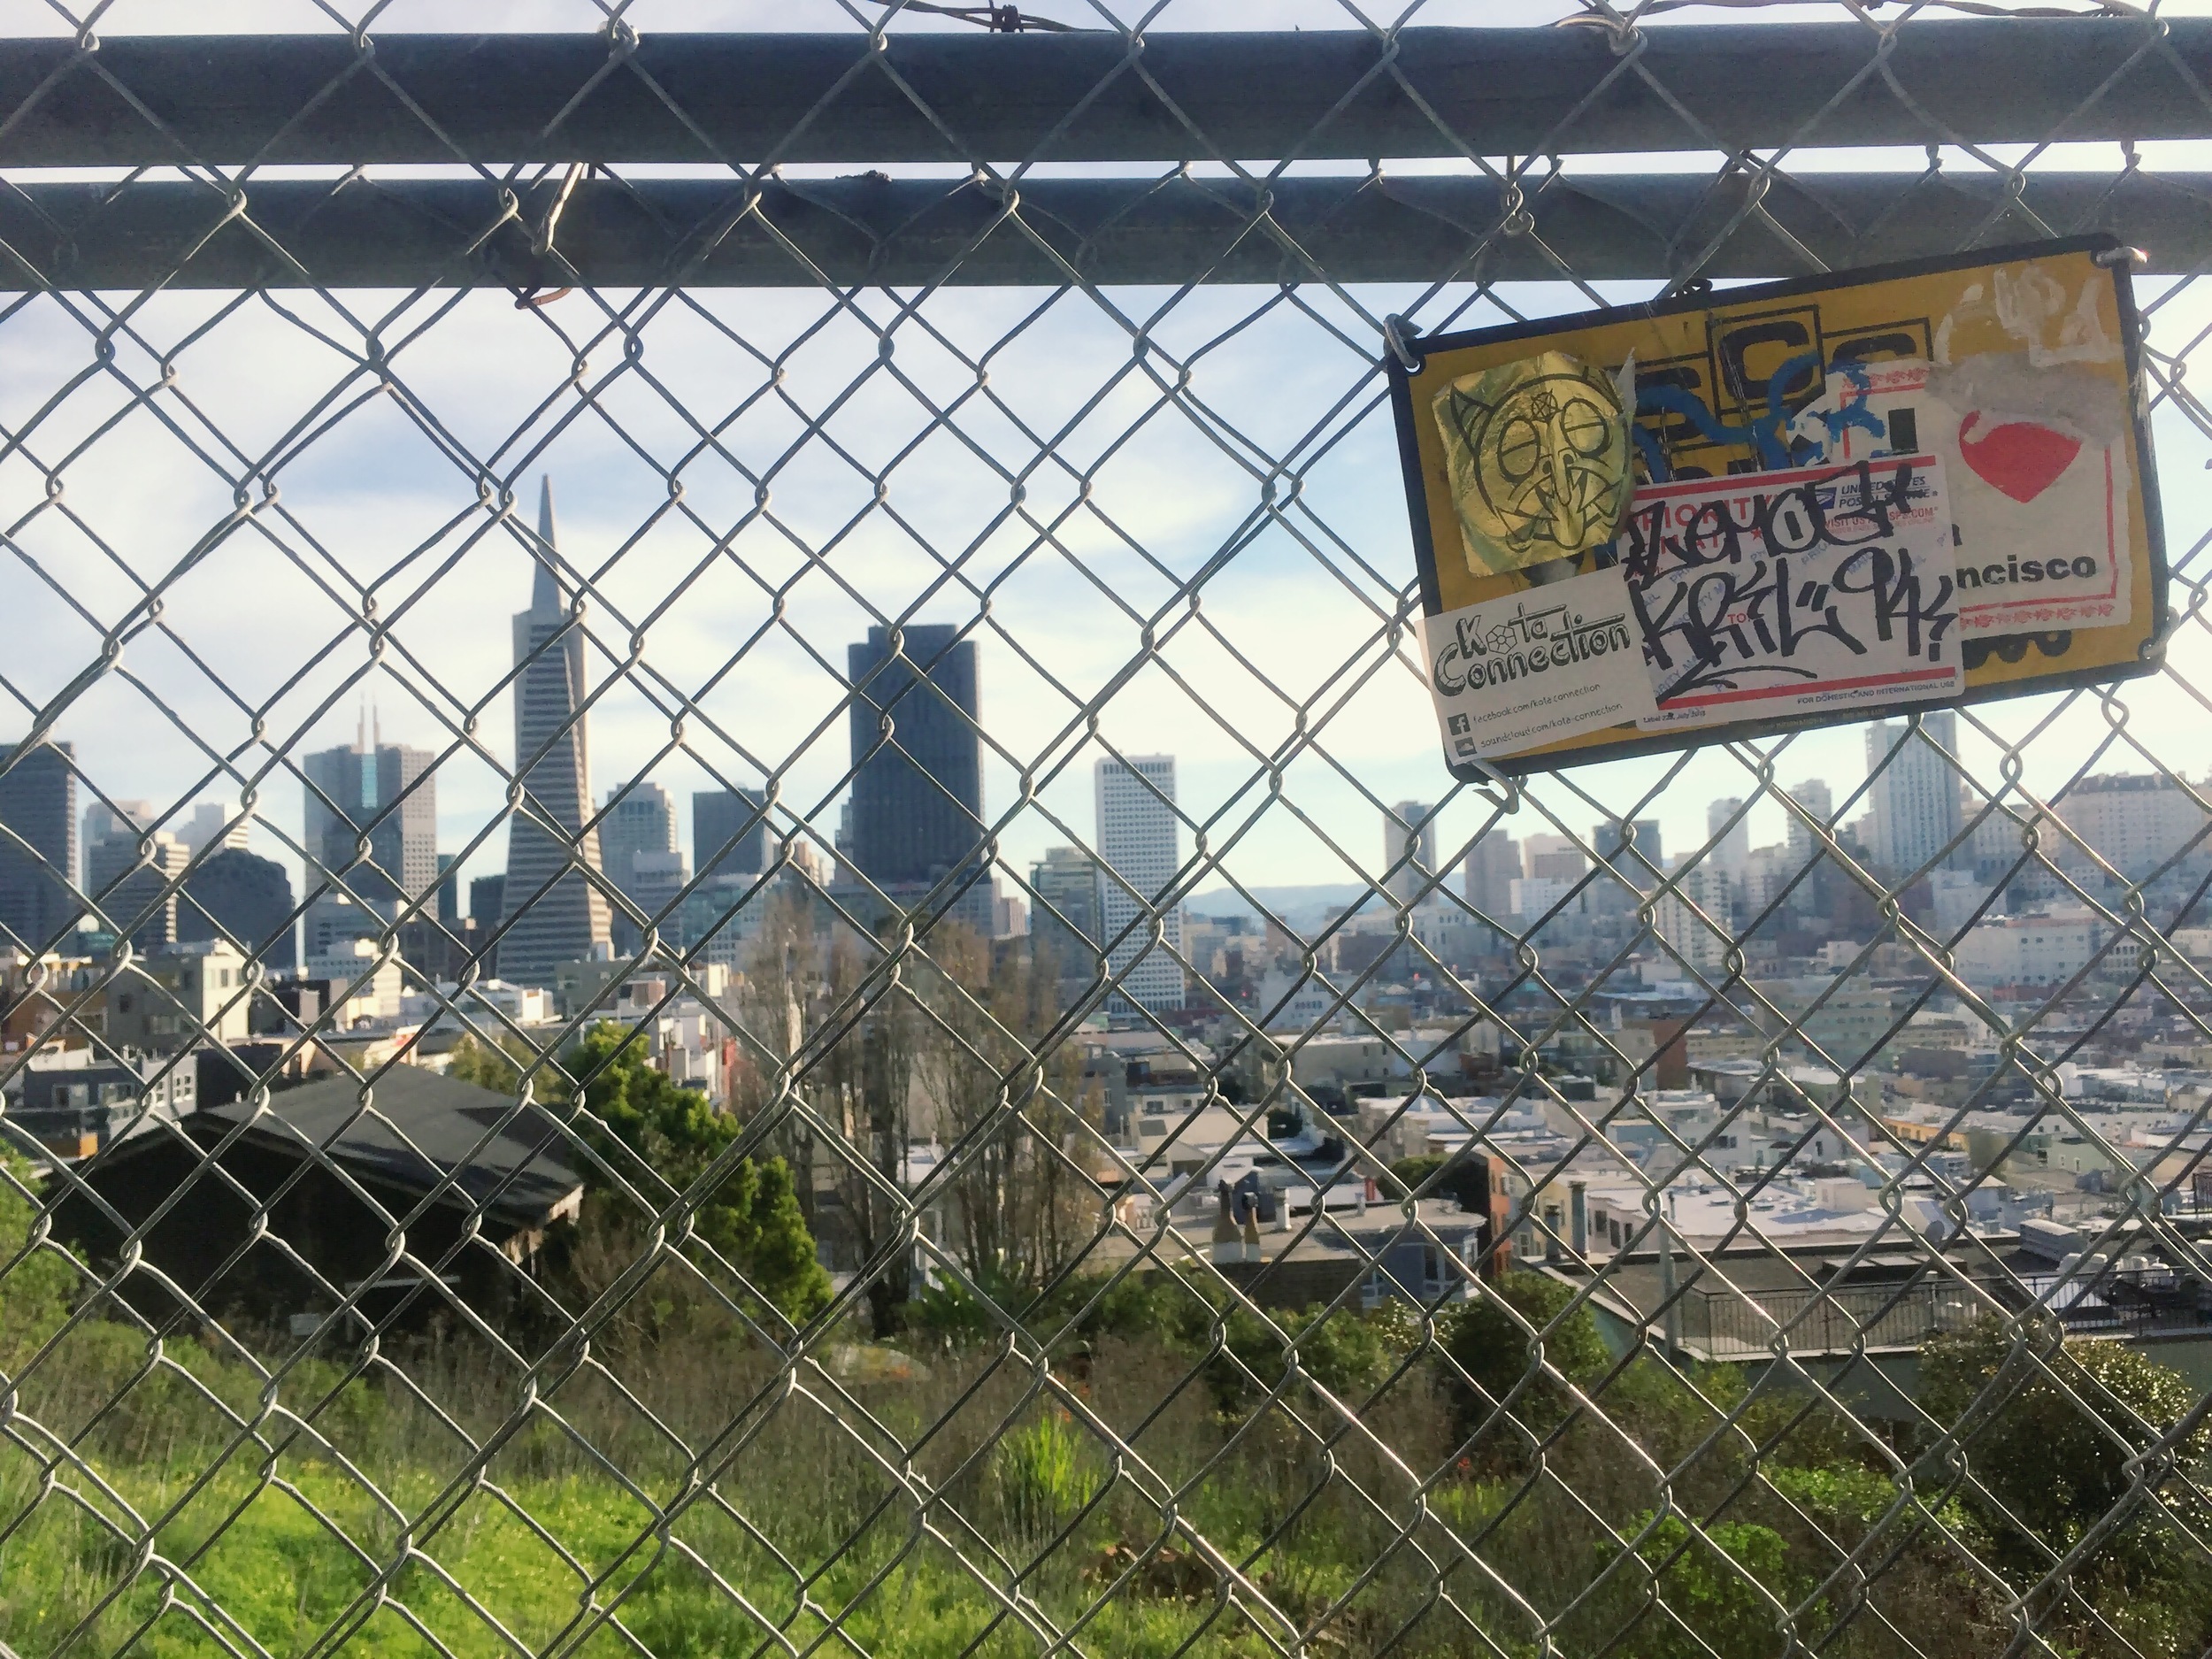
(1010, 1106)
(660, 1139)
(497, 1069)
(1495, 1350)
(1466, 1180)
(2051, 1431)
(866, 1085)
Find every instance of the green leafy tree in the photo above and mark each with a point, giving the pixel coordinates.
(660, 1138)
(497, 1069)
(1496, 1350)
(2051, 1433)
(1465, 1181)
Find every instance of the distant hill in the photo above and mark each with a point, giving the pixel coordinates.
(1300, 906)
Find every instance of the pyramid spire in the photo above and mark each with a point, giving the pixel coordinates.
(545, 589)
(554, 916)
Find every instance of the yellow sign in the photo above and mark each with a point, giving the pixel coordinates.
(1787, 505)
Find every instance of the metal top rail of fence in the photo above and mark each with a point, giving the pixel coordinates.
(1018, 1164)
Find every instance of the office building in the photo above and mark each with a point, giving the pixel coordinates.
(114, 820)
(641, 819)
(1914, 806)
(1064, 920)
(1494, 865)
(1732, 842)
(387, 794)
(554, 913)
(487, 901)
(1139, 844)
(131, 877)
(637, 850)
(917, 766)
(449, 891)
(1410, 844)
(246, 897)
(488, 907)
(209, 824)
(656, 881)
(1636, 859)
(38, 851)
(729, 835)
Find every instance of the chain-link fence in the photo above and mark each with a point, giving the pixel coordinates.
(1074, 1136)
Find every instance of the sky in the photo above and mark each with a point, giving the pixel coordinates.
(745, 614)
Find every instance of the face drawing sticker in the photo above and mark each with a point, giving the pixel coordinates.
(1537, 452)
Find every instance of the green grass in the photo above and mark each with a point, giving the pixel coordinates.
(179, 1500)
(298, 1549)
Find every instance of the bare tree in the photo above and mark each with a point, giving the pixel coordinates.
(1008, 1103)
(869, 1076)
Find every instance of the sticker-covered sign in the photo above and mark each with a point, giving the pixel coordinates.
(1819, 501)
(1811, 591)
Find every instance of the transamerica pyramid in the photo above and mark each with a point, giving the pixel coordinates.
(553, 914)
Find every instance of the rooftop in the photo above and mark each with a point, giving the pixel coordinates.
(413, 1128)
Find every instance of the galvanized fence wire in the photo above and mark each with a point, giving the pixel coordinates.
(885, 964)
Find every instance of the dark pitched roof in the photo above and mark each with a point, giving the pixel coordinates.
(411, 1128)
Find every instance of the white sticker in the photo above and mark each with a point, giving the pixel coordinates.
(1769, 594)
(2037, 458)
(1536, 666)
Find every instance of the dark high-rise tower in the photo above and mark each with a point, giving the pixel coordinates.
(731, 818)
(38, 854)
(248, 898)
(918, 790)
(554, 913)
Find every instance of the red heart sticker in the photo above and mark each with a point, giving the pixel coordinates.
(2021, 457)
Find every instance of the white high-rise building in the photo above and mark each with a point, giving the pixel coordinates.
(1140, 848)
(210, 823)
(1410, 834)
(1692, 916)
(1733, 851)
(2136, 822)
(1915, 804)
(1813, 795)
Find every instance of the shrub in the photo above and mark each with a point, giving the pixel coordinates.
(34, 1291)
(1490, 1345)
(1712, 1585)
(1043, 1473)
(2049, 1431)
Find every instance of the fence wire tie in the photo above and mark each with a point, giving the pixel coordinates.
(542, 240)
